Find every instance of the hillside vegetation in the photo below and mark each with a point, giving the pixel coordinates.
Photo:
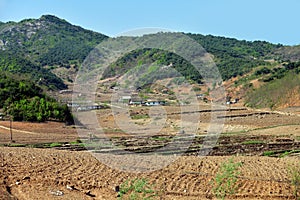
(232, 57)
(48, 40)
(40, 50)
(25, 101)
(20, 66)
(287, 53)
(282, 89)
(235, 57)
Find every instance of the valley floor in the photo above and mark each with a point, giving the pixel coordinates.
(247, 137)
(39, 173)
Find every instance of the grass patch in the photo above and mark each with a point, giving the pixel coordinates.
(136, 189)
(76, 142)
(55, 144)
(294, 174)
(268, 153)
(16, 145)
(160, 138)
(225, 181)
(97, 145)
(289, 152)
(253, 142)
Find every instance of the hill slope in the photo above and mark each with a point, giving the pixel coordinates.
(33, 46)
(48, 40)
(20, 66)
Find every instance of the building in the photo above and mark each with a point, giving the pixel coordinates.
(154, 103)
(135, 101)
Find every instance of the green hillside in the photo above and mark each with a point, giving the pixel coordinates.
(232, 57)
(32, 47)
(48, 40)
(281, 88)
(25, 101)
(235, 57)
(20, 66)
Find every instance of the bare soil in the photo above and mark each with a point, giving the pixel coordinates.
(37, 173)
(31, 173)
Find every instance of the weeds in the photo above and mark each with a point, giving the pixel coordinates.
(78, 141)
(140, 116)
(287, 153)
(136, 189)
(294, 173)
(253, 142)
(225, 180)
(268, 153)
(55, 144)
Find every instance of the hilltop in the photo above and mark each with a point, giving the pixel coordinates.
(48, 40)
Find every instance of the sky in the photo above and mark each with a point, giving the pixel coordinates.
(276, 21)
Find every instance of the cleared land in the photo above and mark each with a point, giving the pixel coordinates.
(266, 144)
(35, 173)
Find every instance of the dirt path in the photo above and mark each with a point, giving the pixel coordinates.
(16, 130)
(30, 133)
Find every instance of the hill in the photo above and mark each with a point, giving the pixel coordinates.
(280, 88)
(232, 57)
(235, 57)
(50, 50)
(20, 66)
(53, 42)
(287, 53)
(48, 40)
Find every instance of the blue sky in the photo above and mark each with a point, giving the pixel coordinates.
(276, 21)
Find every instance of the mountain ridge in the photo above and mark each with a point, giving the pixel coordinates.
(56, 45)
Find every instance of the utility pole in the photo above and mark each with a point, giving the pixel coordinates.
(10, 129)
(10, 123)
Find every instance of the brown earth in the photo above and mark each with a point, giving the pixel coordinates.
(31, 133)
(29, 173)
(37, 173)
